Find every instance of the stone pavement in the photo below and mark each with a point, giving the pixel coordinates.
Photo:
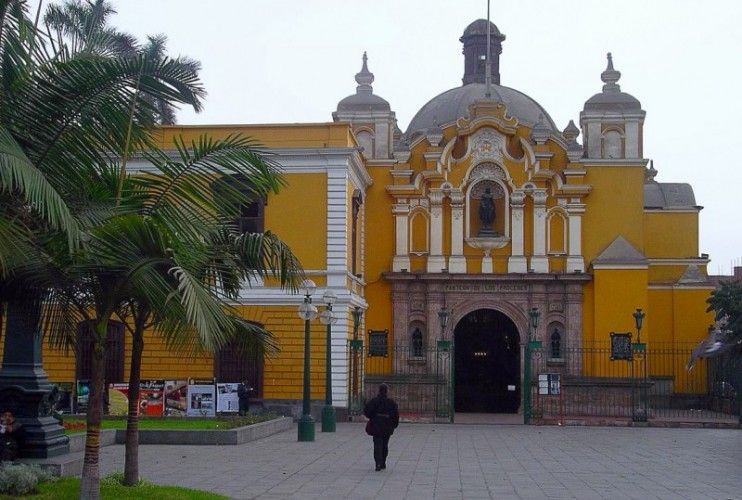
(460, 461)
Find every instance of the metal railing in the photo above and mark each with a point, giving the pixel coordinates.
(420, 379)
(583, 383)
(654, 385)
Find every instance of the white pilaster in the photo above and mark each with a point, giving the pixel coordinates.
(457, 261)
(575, 261)
(517, 261)
(337, 224)
(539, 261)
(401, 258)
(436, 260)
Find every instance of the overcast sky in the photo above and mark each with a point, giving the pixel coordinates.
(292, 61)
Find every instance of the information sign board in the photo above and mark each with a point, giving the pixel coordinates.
(621, 346)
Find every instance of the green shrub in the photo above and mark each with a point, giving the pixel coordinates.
(21, 479)
(117, 479)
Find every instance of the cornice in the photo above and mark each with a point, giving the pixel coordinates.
(534, 278)
(685, 210)
(670, 261)
(619, 163)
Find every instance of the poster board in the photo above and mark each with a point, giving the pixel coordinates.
(549, 384)
(64, 402)
(176, 397)
(226, 397)
(377, 342)
(82, 394)
(118, 399)
(151, 397)
(621, 346)
(201, 398)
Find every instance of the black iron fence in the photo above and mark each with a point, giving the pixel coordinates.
(654, 385)
(419, 377)
(583, 383)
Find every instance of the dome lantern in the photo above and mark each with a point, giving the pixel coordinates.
(475, 52)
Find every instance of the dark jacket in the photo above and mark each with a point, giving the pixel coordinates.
(383, 415)
(10, 443)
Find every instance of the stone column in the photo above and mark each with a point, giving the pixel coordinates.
(573, 326)
(401, 258)
(24, 385)
(457, 261)
(400, 310)
(517, 261)
(436, 260)
(575, 261)
(539, 261)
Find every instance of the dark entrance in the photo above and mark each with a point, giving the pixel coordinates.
(487, 363)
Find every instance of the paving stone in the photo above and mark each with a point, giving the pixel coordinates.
(459, 461)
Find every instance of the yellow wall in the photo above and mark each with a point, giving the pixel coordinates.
(298, 215)
(615, 207)
(671, 234)
(279, 135)
(379, 250)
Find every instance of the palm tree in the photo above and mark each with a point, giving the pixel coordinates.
(221, 262)
(77, 226)
(155, 49)
(81, 29)
(60, 119)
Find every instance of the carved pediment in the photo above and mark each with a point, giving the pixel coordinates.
(486, 144)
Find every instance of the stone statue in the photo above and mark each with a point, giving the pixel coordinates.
(486, 213)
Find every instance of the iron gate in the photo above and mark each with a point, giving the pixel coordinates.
(420, 378)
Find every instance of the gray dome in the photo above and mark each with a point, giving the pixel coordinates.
(668, 195)
(612, 99)
(619, 101)
(453, 104)
(363, 102)
(479, 27)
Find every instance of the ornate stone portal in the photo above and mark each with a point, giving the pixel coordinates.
(417, 298)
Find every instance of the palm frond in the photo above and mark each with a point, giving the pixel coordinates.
(21, 177)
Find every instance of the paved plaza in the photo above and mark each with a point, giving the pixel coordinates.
(460, 461)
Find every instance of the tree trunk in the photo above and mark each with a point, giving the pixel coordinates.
(90, 479)
(131, 459)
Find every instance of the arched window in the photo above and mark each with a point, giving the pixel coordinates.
(556, 344)
(612, 144)
(416, 343)
(366, 141)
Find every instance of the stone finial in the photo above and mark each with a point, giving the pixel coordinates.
(651, 172)
(610, 76)
(571, 132)
(540, 132)
(574, 149)
(364, 78)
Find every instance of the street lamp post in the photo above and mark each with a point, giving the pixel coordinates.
(533, 317)
(327, 317)
(442, 349)
(356, 345)
(641, 347)
(307, 312)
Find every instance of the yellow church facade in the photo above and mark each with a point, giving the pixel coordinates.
(483, 208)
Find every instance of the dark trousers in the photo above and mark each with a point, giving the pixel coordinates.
(381, 449)
(244, 406)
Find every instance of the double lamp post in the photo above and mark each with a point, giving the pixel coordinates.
(308, 312)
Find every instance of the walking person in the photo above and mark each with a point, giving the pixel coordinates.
(383, 418)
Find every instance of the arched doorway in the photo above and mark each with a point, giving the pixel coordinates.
(487, 363)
